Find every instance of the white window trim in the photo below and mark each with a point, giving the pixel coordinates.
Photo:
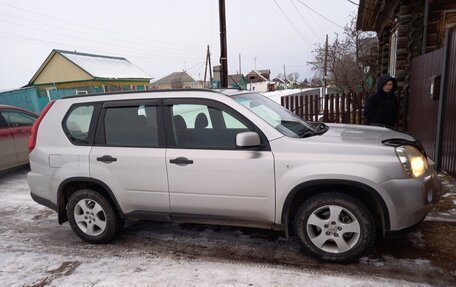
(393, 52)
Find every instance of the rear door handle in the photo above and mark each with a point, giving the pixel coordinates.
(106, 159)
(181, 161)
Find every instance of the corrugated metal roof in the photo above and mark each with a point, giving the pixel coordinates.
(100, 66)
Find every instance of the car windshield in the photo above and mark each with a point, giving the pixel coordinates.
(279, 117)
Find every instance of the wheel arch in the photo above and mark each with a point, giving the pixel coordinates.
(364, 193)
(71, 185)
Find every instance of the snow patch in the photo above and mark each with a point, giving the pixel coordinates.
(20, 269)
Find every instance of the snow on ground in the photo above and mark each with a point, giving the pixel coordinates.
(19, 269)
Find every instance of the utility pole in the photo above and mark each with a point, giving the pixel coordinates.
(208, 63)
(223, 49)
(285, 77)
(326, 66)
(240, 72)
(254, 59)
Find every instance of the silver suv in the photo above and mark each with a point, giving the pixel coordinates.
(226, 157)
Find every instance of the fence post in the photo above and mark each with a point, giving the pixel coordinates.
(337, 120)
(307, 107)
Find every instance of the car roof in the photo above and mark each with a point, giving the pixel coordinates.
(226, 92)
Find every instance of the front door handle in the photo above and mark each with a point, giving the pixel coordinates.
(181, 161)
(106, 159)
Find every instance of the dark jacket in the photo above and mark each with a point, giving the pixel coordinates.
(383, 108)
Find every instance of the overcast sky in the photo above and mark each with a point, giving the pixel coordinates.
(162, 37)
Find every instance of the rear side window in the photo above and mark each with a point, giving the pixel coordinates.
(132, 126)
(18, 119)
(77, 123)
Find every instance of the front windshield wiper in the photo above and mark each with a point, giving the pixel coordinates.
(307, 133)
(320, 128)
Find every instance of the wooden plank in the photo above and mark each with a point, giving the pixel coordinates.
(337, 119)
(307, 108)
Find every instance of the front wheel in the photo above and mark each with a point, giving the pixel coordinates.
(92, 217)
(335, 227)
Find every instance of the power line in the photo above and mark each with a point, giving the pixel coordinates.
(292, 24)
(304, 19)
(97, 36)
(329, 20)
(353, 3)
(95, 28)
(118, 43)
(87, 47)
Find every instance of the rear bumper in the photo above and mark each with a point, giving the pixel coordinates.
(44, 201)
(410, 200)
(40, 189)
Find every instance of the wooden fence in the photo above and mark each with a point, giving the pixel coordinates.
(333, 108)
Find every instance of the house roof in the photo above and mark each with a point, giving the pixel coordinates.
(98, 66)
(374, 15)
(277, 80)
(261, 78)
(174, 78)
(235, 79)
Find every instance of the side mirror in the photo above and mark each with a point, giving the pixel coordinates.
(247, 140)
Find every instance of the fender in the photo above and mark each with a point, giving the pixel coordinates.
(378, 198)
(60, 198)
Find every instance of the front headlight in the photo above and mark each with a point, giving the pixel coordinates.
(413, 161)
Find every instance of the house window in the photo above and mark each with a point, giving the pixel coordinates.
(81, 92)
(393, 53)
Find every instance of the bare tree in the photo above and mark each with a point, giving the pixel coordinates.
(351, 61)
(293, 76)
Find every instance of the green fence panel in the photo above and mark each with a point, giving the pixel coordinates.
(26, 98)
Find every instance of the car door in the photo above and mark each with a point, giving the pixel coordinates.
(129, 155)
(7, 149)
(207, 175)
(20, 123)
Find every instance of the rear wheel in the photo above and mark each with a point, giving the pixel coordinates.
(335, 227)
(92, 217)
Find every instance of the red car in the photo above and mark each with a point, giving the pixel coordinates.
(15, 126)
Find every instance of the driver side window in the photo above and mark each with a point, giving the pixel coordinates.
(204, 127)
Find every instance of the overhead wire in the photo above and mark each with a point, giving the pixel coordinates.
(98, 36)
(304, 19)
(121, 44)
(324, 17)
(90, 48)
(96, 28)
(293, 25)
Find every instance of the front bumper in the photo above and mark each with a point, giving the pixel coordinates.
(410, 200)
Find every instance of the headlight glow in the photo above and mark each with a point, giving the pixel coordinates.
(412, 160)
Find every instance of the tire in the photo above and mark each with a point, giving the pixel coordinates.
(335, 227)
(92, 217)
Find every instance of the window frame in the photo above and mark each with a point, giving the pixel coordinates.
(100, 134)
(3, 123)
(171, 143)
(7, 124)
(92, 126)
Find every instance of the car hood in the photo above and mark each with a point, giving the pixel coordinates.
(360, 134)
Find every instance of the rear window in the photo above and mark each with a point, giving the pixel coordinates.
(77, 123)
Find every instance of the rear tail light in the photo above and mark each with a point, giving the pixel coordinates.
(34, 130)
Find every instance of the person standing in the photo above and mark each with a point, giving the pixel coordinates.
(382, 108)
